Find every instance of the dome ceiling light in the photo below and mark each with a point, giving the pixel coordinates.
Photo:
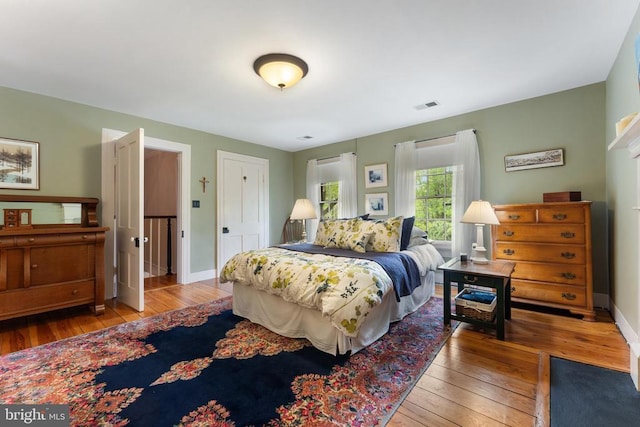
(280, 69)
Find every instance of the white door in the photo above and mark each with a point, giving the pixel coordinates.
(243, 204)
(129, 219)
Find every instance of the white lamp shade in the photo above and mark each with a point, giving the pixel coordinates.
(480, 212)
(303, 209)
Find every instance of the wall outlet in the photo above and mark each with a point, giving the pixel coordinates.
(195, 203)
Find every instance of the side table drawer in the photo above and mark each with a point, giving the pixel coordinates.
(561, 294)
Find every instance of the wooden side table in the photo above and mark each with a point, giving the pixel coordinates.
(495, 274)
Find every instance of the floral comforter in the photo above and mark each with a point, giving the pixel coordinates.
(344, 289)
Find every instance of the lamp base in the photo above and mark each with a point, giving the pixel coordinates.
(479, 255)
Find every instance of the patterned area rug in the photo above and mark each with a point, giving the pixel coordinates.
(204, 366)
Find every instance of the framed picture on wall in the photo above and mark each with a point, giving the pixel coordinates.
(19, 164)
(376, 204)
(375, 176)
(540, 159)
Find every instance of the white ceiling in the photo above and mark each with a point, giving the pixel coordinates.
(371, 62)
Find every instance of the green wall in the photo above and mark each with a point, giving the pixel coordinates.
(70, 136)
(623, 97)
(573, 120)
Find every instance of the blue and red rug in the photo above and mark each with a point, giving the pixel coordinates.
(204, 366)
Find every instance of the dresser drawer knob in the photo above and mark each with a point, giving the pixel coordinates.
(567, 295)
(74, 292)
(559, 217)
(513, 289)
(470, 279)
(568, 255)
(568, 235)
(568, 275)
(84, 236)
(514, 217)
(34, 266)
(508, 252)
(32, 239)
(508, 233)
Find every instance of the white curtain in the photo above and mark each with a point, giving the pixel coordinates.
(405, 179)
(466, 188)
(313, 194)
(347, 190)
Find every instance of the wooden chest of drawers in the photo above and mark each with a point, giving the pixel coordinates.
(551, 245)
(44, 269)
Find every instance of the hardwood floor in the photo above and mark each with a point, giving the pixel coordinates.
(475, 379)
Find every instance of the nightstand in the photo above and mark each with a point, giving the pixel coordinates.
(495, 275)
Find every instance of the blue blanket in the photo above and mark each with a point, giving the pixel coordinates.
(400, 267)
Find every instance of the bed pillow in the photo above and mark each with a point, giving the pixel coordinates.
(327, 229)
(418, 232)
(351, 240)
(407, 227)
(417, 237)
(417, 241)
(385, 234)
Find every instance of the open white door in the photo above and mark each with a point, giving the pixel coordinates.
(130, 218)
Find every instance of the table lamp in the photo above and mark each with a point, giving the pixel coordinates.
(480, 213)
(303, 210)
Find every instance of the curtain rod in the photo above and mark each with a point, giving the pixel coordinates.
(437, 137)
(334, 157)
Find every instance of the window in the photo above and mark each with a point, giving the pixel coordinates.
(329, 200)
(434, 204)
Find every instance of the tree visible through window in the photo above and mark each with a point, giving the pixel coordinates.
(434, 203)
(329, 200)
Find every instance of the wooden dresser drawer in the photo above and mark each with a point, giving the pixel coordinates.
(55, 239)
(561, 254)
(517, 216)
(548, 233)
(559, 294)
(571, 274)
(22, 301)
(561, 215)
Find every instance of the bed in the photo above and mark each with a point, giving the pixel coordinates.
(341, 292)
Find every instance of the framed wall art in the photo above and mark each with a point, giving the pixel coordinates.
(540, 159)
(376, 204)
(375, 176)
(19, 164)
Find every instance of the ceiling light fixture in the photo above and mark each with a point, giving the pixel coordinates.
(280, 69)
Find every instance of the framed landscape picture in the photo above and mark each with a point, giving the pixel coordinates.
(540, 159)
(376, 204)
(19, 164)
(375, 176)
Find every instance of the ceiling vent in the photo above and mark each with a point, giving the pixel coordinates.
(426, 105)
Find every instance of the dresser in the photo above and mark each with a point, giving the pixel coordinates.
(551, 246)
(46, 267)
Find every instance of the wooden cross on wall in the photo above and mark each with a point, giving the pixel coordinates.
(204, 182)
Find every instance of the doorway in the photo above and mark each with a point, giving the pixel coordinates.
(182, 153)
(242, 204)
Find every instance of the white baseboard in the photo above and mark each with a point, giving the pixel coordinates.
(201, 275)
(631, 337)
